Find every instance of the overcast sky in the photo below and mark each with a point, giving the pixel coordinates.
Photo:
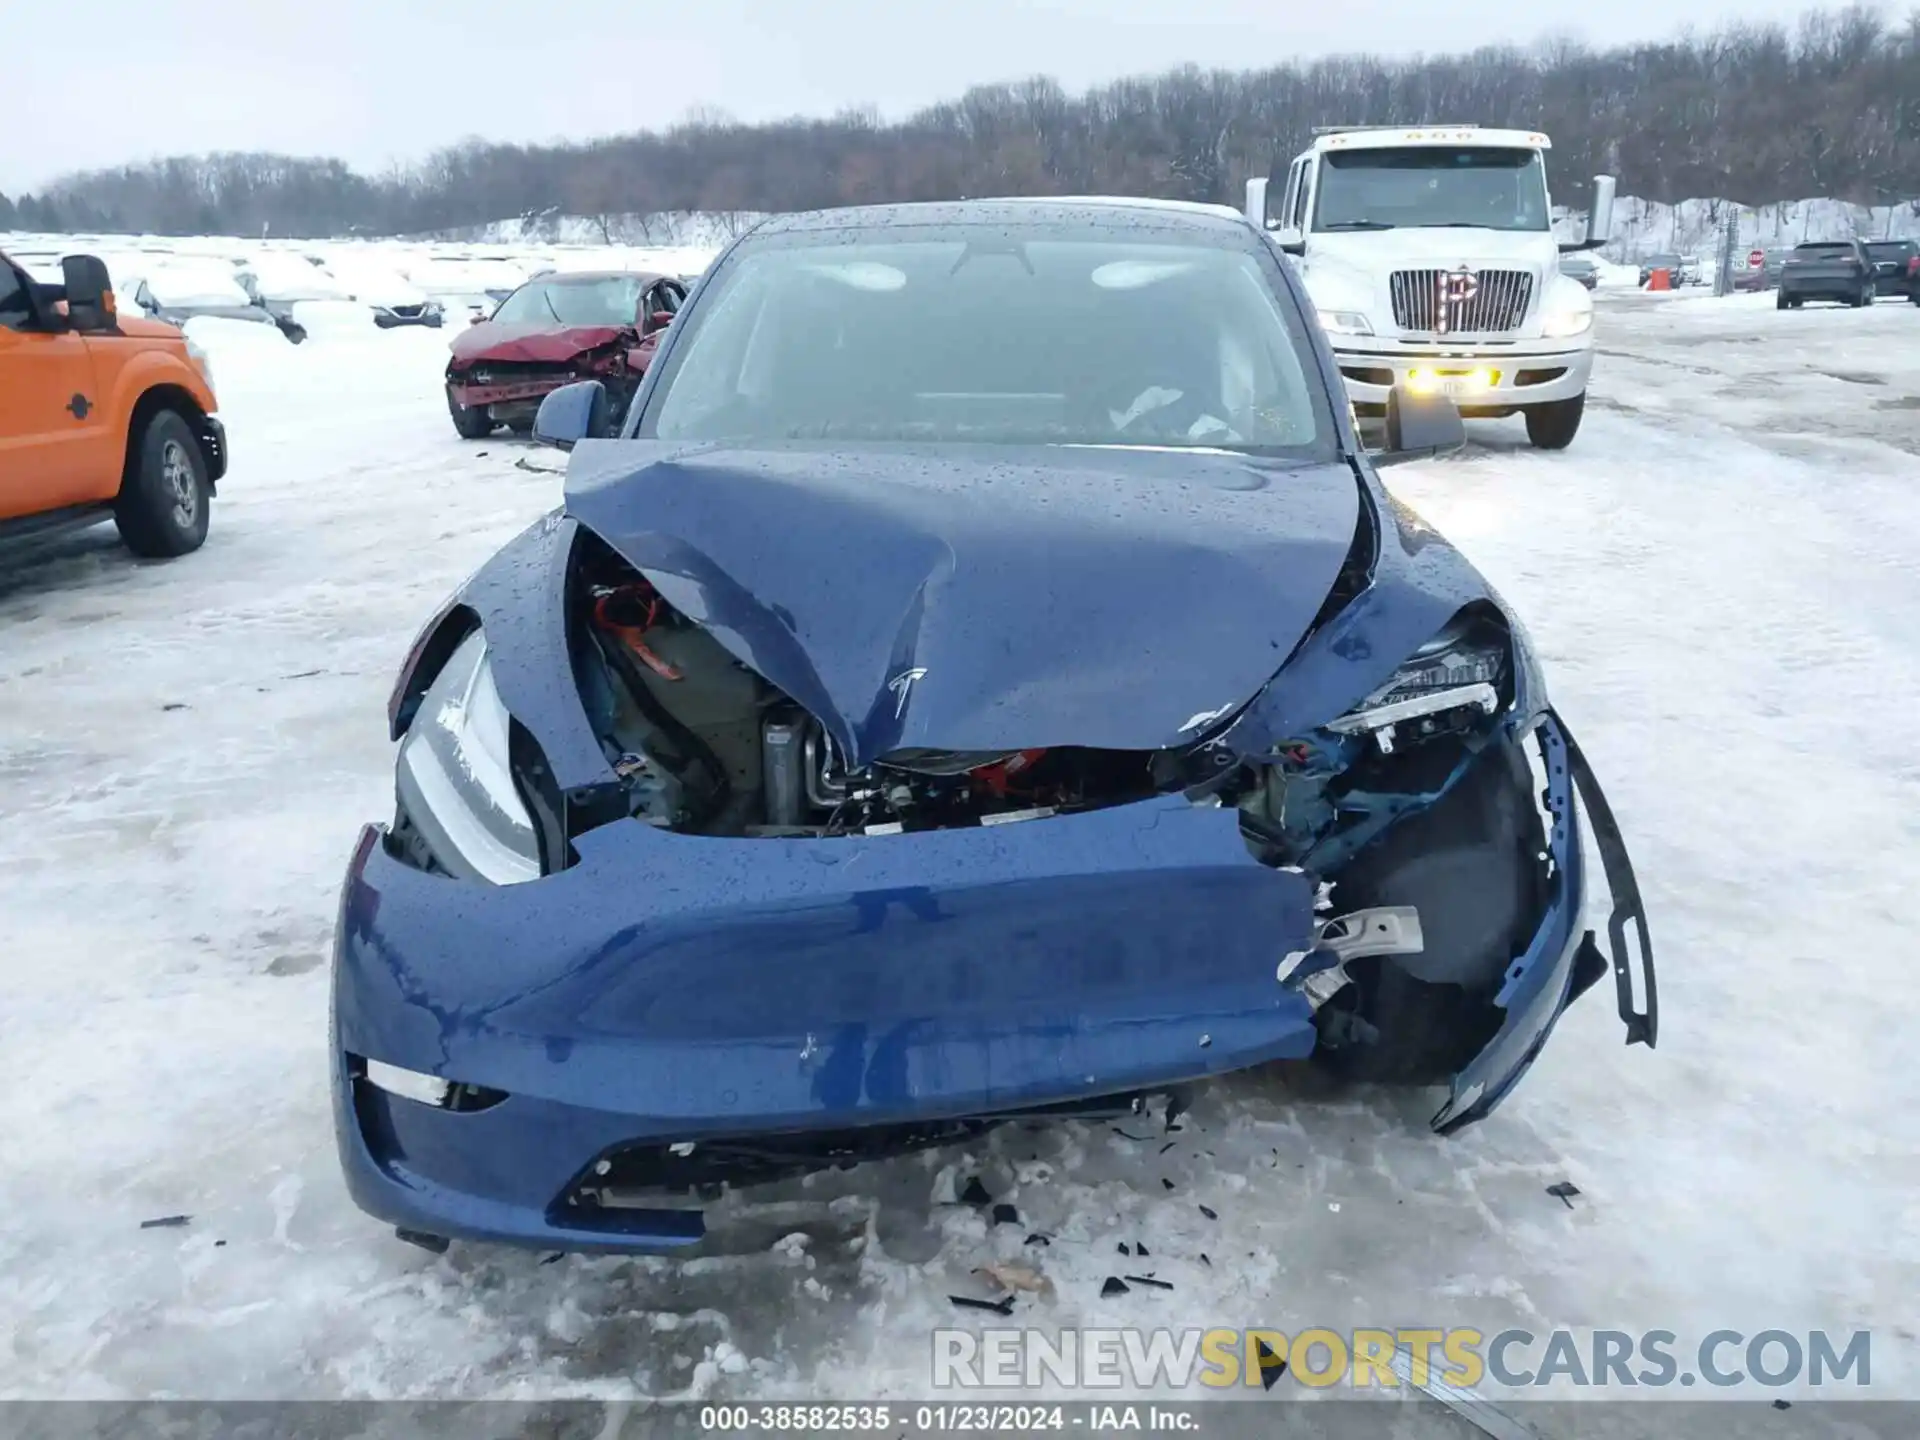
(102, 82)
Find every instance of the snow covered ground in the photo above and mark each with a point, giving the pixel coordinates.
(1721, 574)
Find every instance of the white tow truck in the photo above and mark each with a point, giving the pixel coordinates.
(1430, 255)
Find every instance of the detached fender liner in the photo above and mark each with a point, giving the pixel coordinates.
(1643, 1024)
(673, 988)
(1562, 961)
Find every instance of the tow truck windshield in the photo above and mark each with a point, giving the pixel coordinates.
(1422, 186)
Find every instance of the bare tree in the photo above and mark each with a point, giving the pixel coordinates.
(1751, 113)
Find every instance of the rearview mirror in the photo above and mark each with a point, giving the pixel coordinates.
(1419, 425)
(90, 304)
(571, 414)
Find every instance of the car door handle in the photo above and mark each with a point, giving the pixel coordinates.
(78, 406)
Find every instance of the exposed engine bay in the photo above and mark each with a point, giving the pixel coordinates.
(706, 746)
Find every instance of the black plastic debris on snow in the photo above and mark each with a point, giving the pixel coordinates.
(1124, 1248)
(165, 1222)
(1168, 1146)
(1003, 1306)
(1272, 1366)
(1142, 1139)
(1205, 1261)
(218, 1243)
(1176, 1107)
(1114, 1286)
(1209, 1212)
(1166, 1182)
(1005, 1215)
(1139, 1248)
(1039, 1239)
(1564, 1191)
(436, 1243)
(1783, 1404)
(555, 1258)
(975, 1193)
(174, 705)
(1149, 1280)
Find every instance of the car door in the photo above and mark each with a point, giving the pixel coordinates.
(55, 449)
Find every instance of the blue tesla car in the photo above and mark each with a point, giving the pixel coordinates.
(985, 679)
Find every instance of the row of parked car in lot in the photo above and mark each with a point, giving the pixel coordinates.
(266, 284)
(1847, 271)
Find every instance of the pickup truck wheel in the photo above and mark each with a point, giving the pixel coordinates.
(1779, 302)
(1552, 426)
(472, 421)
(163, 506)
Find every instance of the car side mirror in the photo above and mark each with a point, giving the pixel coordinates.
(1419, 426)
(660, 319)
(1293, 247)
(571, 414)
(89, 293)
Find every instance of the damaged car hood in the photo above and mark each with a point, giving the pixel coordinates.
(983, 597)
(533, 342)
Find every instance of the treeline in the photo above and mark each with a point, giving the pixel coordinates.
(1758, 113)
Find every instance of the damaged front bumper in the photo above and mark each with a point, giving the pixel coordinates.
(472, 395)
(870, 984)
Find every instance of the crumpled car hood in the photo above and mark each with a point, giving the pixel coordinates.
(983, 598)
(532, 342)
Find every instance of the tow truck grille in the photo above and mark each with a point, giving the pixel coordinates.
(1431, 301)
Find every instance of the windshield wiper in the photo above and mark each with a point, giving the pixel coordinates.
(1361, 225)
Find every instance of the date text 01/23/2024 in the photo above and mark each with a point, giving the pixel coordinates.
(943, 1419)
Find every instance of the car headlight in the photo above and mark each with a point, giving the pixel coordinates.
(201, 360)
(1345, 322)
(1464, 666)
(431, 307)
(455, 779)
(1568, 319)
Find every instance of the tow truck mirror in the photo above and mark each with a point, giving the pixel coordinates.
(571, 414)
(1600, 213)
(89, 293)
(1419, 425)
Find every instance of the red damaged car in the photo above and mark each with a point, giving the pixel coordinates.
(555, 329)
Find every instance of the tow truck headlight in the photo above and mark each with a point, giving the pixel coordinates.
(1568, 317)
(1345, 322)
(455, 779)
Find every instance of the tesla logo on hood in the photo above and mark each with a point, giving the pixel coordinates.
(900, 685)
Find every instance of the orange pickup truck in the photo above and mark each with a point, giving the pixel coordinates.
(102, 415)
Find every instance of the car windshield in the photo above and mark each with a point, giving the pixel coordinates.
(1893, 249)
(611, 300)
(1429, 185)
(1007, 335)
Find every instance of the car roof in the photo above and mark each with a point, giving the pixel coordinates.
(588, 277)
(1218, 221)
